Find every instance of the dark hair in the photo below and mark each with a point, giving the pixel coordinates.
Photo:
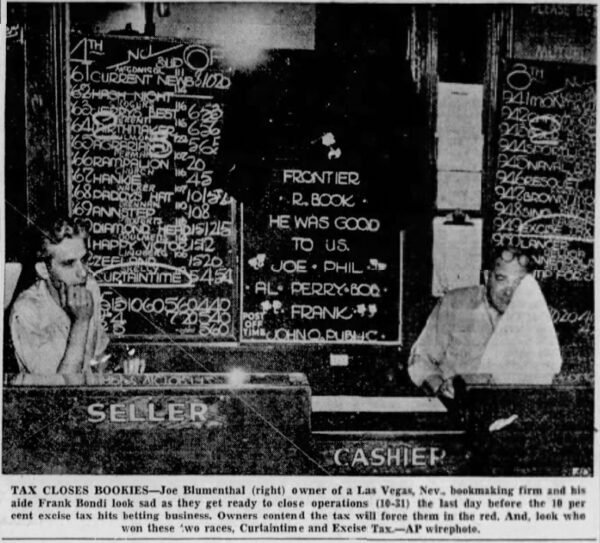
(508, 253)
(55, 231)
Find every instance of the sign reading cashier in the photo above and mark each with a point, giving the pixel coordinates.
(165, 411)
(404, 456)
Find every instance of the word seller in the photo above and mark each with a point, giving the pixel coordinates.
(502, 328)
(268, 225)
(55, 323)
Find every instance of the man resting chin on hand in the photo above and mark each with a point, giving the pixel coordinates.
(55, 324)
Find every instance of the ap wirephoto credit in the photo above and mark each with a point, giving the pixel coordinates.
(299, 270)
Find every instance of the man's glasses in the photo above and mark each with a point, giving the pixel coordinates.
(508, 256)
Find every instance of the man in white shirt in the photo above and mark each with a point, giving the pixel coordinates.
(472, 330)
(55, 324)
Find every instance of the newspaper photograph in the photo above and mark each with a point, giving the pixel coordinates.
(305, 271)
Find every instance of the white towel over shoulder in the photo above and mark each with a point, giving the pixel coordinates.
(523, 349)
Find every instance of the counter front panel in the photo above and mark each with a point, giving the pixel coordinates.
(159, 424)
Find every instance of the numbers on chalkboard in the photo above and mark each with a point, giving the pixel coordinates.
(82, 48)
(543, 194)
(193, 131)
(82, 126)
(519, 78)
(82, 192)
(205, 245)
(196, 164)
(209, 147)
(198, 57)
(145, 130)
(203, 180)
(193, 112)
(202, 146)
(210, 131)
(82, 109)
(103, 121)
(86, 47)
(212, 113)
(83, 175)
(83, 209)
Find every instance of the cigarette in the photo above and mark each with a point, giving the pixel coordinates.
(502, 423)
(94, 362)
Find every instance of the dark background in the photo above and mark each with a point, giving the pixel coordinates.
(362, 81)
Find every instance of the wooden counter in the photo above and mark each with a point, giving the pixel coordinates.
(196, 423)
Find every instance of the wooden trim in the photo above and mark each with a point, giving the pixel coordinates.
(59, 41)
(498, 44)
(45, 111)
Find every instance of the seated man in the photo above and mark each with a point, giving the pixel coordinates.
(502, 328)
(55, 323)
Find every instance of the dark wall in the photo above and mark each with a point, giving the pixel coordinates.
(356, 82)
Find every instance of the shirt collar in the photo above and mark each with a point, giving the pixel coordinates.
(492, 312)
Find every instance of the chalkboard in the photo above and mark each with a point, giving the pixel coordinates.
(319, 264)
(543, 193)
(15, 187)
(555, 32)
(145, 124)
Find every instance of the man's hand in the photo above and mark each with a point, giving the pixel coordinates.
(134, 365)
(432, 384)
(79, 303)
(80, 307)
(436, 385)
(447, 389)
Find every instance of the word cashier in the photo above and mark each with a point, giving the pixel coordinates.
(403, 456)
(150, 412)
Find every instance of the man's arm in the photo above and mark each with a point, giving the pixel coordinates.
(100, 337)
(37, 349)
(426, 357)
(80, 307)
(41, 348)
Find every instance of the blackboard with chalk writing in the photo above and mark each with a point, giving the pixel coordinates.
(15, 147)
(319, 264)
(542, 196)
(145, 119)
(163, 137)
(320, 249)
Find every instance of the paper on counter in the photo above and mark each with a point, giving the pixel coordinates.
(456, 255)
(379, 404)
(458, 190)
(502, 423)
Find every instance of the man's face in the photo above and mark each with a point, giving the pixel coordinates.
(503, 281)
(67, 263)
